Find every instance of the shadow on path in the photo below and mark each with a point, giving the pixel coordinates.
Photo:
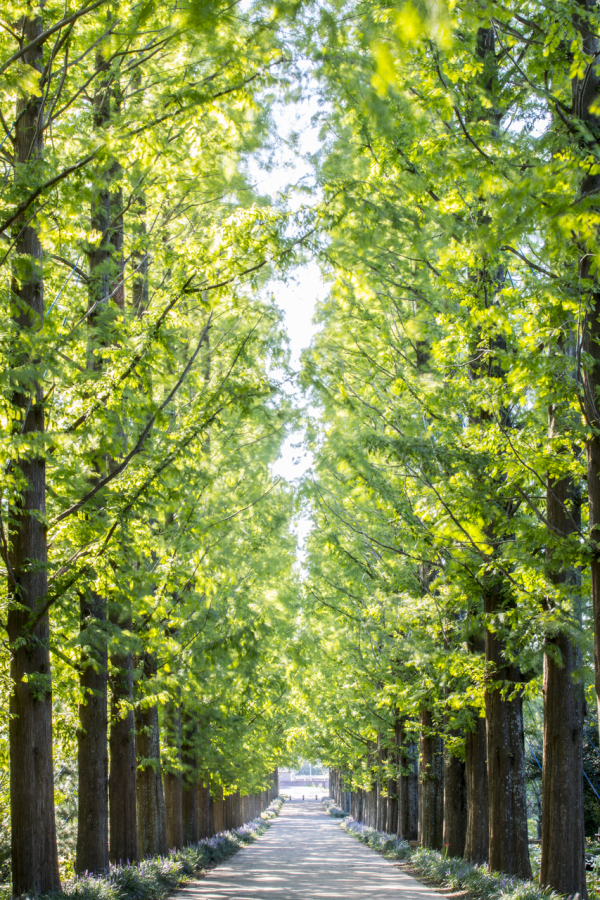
(305, 855)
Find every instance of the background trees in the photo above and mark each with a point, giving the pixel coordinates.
(451, 375)
(155, 619)
(142, 409)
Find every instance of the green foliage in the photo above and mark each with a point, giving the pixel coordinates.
(450, 174)
(450, 223)
(162, 375)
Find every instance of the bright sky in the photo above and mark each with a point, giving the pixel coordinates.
(298, 296)
(298, 299)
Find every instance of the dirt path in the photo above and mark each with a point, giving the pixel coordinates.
(305, 855)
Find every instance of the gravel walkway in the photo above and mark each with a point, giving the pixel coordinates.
(303, 856)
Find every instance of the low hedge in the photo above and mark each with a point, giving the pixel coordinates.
(391, 846)
(156, 878)
(334, 811)
(451, 872)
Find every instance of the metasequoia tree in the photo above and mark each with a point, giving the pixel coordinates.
(115, 363)
(452, 566)
(35, 864)
(455, 305)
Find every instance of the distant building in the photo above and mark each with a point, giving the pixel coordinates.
(306, 776)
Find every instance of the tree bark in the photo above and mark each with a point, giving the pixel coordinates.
(392, 806)
(123, 844)
(455, 805)
(381, 801)
(563, 833)
(92, 757)
(191, 829)
(585, 92)
(413, 793)
(92, 740)
(218, 811)
(431, 786)
(33, 831)
(408, 791)
(151, 813)
(237, 818)
(509, 848)
(173, 778)
(203, 806)
(477, 841)
(139, 260)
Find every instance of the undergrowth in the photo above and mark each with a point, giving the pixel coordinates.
(451, 872)
(334, 811)
(391, 846)
(156, 878)
(459, 875)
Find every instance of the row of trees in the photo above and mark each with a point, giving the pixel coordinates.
(151, 604)
(452, 571)
(149, 590)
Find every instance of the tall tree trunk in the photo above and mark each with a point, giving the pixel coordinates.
(385, 794)
(372, 794)
(34, 851)
(408, 788)
(238, 820)
(585, 94)
(116, 286)
(92, 748)
(563, 833)
(392, 805)
(92, 740)
(455, 805)
(191, 824)
(139, 258)
(413, 794)
(477, 842)
(151, 813)
(123, 845)
(218, 807)
(173, 778)
(203, 807)
(400, 801)
(381, 801)
(455, 799)
(509, 848)
(431, 786)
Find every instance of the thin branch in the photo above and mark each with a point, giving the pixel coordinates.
(41, 38)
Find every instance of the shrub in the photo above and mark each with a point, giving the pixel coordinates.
(457, 874)
(334, 811)
(451, 872)
(156, 878)
(391, 846)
